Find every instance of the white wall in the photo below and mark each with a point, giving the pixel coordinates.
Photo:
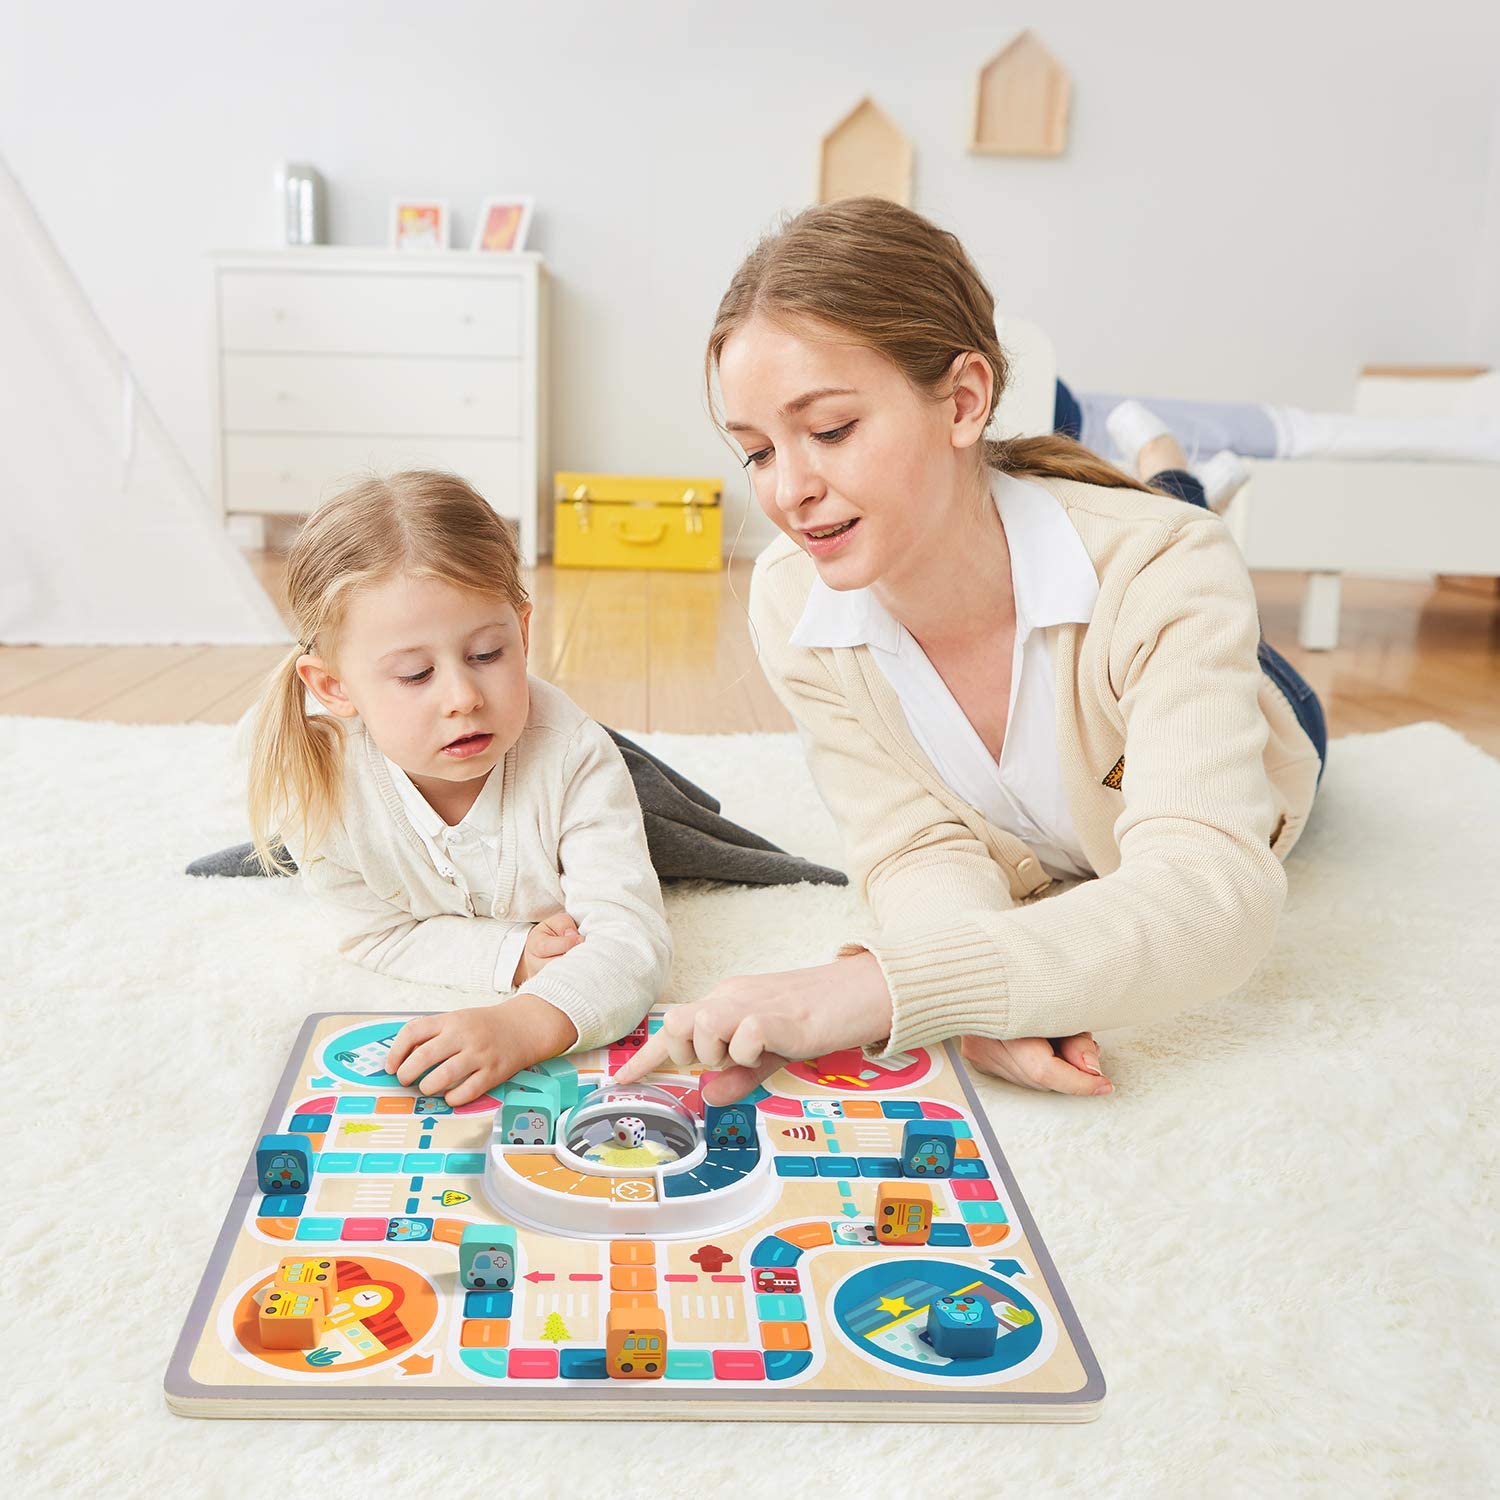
(1487, 297)
(1256, 199)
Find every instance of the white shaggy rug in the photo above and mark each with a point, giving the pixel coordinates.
(1279, 1232)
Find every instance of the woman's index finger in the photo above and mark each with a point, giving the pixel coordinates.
(651, 1053)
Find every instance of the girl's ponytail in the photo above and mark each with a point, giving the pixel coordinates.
(295, 766)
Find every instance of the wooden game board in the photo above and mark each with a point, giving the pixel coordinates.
(792, 1316)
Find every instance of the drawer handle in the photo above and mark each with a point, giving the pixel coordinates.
(278, 314)
(283, 395)
(622, 529)
(467, 401)
(470, 319)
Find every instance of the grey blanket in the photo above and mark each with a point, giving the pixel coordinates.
(687, 836)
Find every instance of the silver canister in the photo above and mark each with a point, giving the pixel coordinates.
(300, 197)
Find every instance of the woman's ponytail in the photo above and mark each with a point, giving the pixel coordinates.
(1054, 455)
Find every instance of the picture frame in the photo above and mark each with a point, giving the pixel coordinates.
(419, 224)
(504, 223)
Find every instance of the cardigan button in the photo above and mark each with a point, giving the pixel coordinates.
(1026, 867)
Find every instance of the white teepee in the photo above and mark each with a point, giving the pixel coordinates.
(105, 537)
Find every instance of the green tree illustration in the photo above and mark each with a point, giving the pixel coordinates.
(555, 1330)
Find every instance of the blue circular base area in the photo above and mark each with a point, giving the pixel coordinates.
(342, 1055)
(890, 1335)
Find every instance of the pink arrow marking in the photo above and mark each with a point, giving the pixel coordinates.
(777, 1104)
(728, 1278)
(540, 1276)
(679, 1277)
(584, 1276)
(482, 1105)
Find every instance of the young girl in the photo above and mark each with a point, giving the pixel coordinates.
(1011, 665)
(447, 801)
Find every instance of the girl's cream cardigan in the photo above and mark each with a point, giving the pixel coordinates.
(1187, 774)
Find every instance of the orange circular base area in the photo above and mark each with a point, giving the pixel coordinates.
(379, 1311)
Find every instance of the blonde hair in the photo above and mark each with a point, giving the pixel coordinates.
(893, 282)
(420, 523)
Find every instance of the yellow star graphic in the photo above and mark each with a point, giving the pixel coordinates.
(895, 1306)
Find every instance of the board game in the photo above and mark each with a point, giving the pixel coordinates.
(846, 1243)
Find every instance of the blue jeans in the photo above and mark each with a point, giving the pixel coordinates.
(1202, 427)
(1068, 418)
(1294, 687)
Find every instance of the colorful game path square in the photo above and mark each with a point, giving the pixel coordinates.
(582, 1364)
(485, 1333)
(489, 1304)
(781, 1309)
(739, 1364)
(972, 1190)
(320, 1229)
(690, 1364)
(533, 1364)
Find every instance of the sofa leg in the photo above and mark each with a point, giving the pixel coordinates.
(1318, 629)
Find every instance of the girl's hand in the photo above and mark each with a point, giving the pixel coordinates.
(550, 938)
(465, 1053)
(1068, 1065)
(750, 1026)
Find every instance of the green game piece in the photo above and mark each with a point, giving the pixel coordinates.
(487, 1256)
(526, 1119)
(564, 1073)
(536, 1082)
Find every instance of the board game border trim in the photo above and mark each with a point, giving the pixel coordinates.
(187, 1397)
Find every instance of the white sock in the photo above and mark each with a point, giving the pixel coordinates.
(1309, 434)
(1222, 477)
(1131, 426)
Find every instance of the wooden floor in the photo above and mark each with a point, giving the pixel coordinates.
(672, 651)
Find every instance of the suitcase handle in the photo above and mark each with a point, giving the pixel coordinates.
(622, 530)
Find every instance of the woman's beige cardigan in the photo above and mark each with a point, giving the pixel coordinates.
(1187, 774)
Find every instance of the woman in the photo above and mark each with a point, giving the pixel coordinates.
(1010, 663)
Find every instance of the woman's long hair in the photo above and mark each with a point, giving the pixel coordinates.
(892, 281)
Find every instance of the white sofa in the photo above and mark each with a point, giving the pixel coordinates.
(1328, 517)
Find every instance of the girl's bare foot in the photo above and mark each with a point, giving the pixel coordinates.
(1159, 454)
(1147, 446)
(1145, 442)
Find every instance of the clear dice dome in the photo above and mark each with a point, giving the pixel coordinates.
(629, 1127)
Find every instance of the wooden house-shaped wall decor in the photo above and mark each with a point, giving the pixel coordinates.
(866, 153)
(1021, 104)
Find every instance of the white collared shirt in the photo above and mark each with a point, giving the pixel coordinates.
(1054, 583)
(467, 855)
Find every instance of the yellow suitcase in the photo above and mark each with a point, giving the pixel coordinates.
(635, 521)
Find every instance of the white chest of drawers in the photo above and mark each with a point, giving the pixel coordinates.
(333, 362)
